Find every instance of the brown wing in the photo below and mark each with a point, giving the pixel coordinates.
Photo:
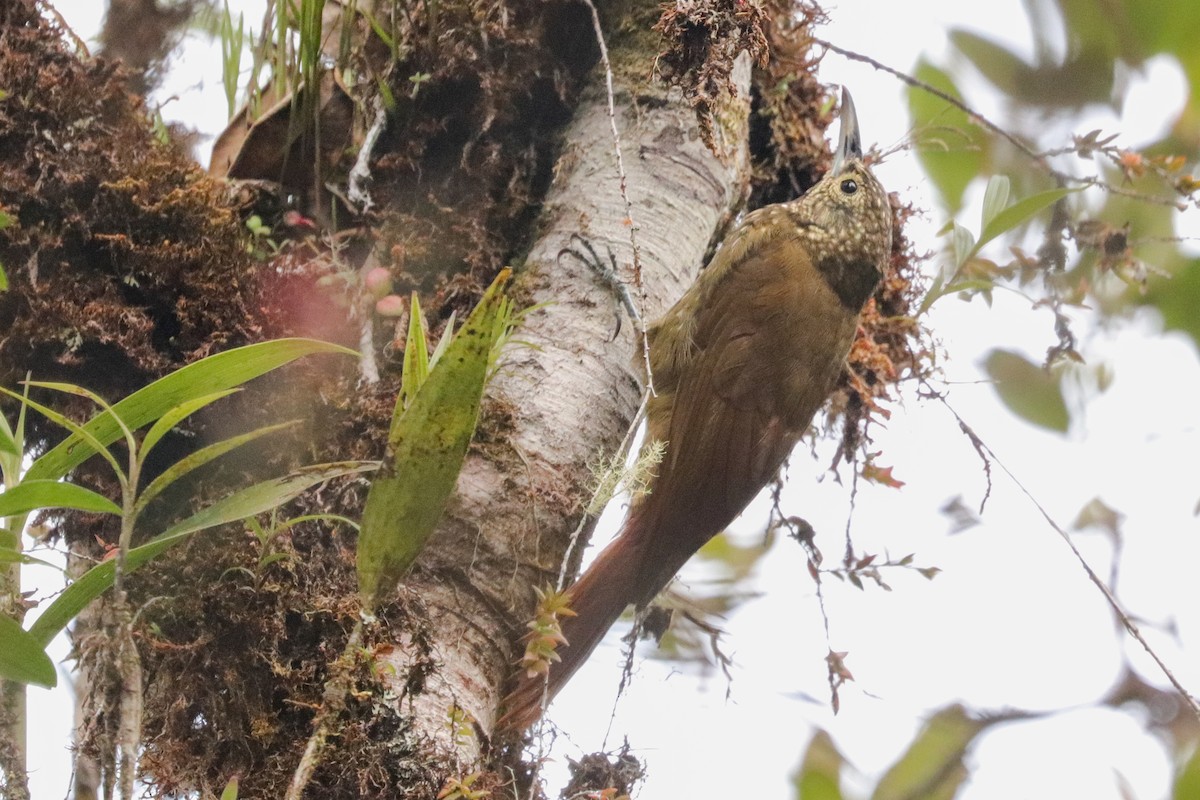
(766, 346)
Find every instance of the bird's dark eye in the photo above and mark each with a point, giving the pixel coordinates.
(849, 186)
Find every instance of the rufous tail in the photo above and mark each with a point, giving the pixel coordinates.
(597, 598)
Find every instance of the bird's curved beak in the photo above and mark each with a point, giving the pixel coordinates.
(849, 139)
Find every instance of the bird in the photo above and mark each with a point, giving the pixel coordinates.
(740, 364)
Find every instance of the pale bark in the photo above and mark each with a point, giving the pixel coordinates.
(572, 393)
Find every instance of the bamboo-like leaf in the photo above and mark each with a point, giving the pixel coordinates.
(1017, 214)
(950, 146)
(1029, 391)
(22, 658)
(8, 443)
(213, 374)
(177, 415)
(819, 776)
(426, 447)
(10, 556)
(932, 767)
(198, 459)
(31, 495)
(1187, 779)
(447, 337)
(86, 438)
(964, 244)
(416, 356)
(995, 198)
(241, 504)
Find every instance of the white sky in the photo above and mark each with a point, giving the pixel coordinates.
(1011, 622)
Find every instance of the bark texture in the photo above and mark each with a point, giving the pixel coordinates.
(572, 393)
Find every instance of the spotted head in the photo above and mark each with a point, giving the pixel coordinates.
(847, 218)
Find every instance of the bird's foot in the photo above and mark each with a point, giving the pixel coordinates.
(586, 254)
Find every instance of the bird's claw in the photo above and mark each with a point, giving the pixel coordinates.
(607, 273)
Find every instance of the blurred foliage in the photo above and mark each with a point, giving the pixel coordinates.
(930, 769)
(1084, 224)
(1122, 220)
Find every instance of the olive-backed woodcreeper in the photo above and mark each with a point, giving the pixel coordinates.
(740, 365)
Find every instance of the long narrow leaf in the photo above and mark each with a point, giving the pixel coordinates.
(416, 356)
(213, 374)
(932, 767)
(31, 495)
(86, 438)
(10, 556)
(995, 198)
(447, 335)
(8, 444)
(964, 245)
(177, 415)
(22, 657)
(198, 459)
(1017, 214)
(241, 504)
(426, 447)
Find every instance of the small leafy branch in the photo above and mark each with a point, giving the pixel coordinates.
(545, 632)
(163, 405)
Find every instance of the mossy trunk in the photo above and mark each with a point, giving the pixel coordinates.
(127, 262)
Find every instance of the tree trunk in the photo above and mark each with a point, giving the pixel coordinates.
(563, 397)
(571, 394)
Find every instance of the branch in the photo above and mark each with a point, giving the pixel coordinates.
(1039, 159)
(1112, 600)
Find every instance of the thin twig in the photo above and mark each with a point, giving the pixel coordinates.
(333, 701)
(623, 450)
(49, 8)
(1037, 158)
(633, 228)
(1112, 600)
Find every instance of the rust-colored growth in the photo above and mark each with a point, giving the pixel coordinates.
(892, 344)
(792, 109)
(122, 262)
(702, 41)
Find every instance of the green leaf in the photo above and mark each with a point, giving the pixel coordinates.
(1018, 214)
(3, 279)
(213, 374)
(22, 658)
(997, 63)
(426, 447)
(447, 336)
(819, 776)
(951, 148)
(241, 504)
(230, 792)
(198, 459)
(1177, 300)
(31, 495)
(932, 767)
(995, 198)
(10, 556)
(86, 438)
(1187, 782)
(1029, 391)
(416, 356)
(964, 245)
(176, 415)
(8, 444)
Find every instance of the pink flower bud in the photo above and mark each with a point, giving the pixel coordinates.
(390, 306)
